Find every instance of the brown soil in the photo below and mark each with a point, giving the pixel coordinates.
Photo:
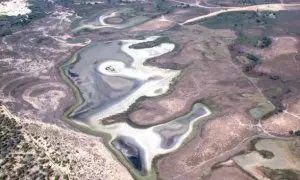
(297, 57)
(280, 46)
(220, 137)
(284, 66)
(288, 120)
(218, 140)
(229, 173)
(209, 72)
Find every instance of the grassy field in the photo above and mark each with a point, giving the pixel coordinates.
(241, 2)
(262, 110)
(269, 23)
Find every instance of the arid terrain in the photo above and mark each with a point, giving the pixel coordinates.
(164, 89)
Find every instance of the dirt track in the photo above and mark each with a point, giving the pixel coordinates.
(262, 7)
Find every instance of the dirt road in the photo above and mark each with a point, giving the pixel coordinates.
(262, 7)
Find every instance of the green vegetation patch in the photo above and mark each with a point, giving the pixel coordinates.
(264, 42)
(266, 154)
(280, 174)
(254, 28)
(5, 32)
(264, 21)
(262, 110)
(21, 157)
(239, 21)
(75, 40)
(10, 136)
(277, 90)
(246, 39)
(253, 61)
(260, 40)
(150, 44)
(242, 2)
(297, 57)
(127, 17)
(163, 6)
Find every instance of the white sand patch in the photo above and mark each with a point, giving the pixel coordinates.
(155, 81)
(148, 140)
(14, 7)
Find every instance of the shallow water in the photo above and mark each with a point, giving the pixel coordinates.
(111, 77)
(97, 90)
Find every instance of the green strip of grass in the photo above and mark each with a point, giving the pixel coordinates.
(150, 44)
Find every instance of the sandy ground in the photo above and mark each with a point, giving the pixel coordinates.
(158, 24)
(14, 7)
(280, 46)
(284, 122)
(209, 72)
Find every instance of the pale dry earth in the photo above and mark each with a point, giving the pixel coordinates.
(14, 7)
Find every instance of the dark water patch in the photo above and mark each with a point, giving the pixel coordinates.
(136, 162)
(73, 75)
(168, 143)
(127, 147)
(84, 74)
